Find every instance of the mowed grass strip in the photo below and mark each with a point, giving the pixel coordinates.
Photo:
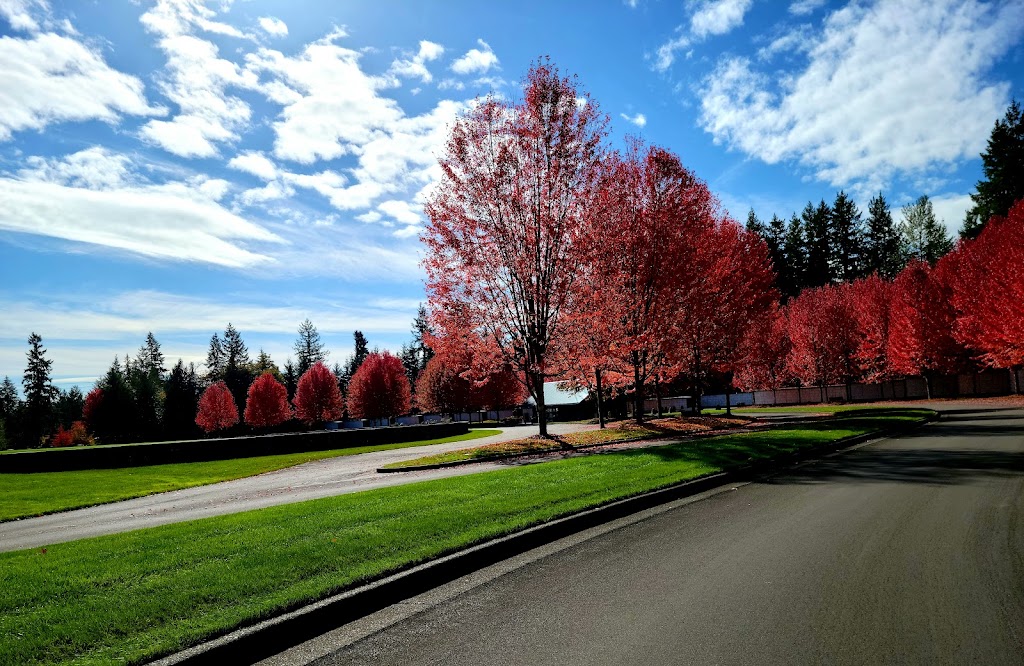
(621, 431)
(134, 596)
(24, 495)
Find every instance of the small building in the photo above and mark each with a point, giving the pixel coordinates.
(563, 404)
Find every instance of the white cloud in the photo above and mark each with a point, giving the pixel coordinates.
(52, 78)
(638, 119)
(415, 67)
(896, 88)
(401, 211)
(274, 27)
(196, 80)
(632, 4)
(711, 18)
(476, 61)
(951, 209)
(91, 197)
(254, 162)
(19, 13)
(805, 7)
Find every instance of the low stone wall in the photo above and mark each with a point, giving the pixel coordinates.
(196, 450)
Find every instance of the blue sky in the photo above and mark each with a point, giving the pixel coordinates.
(172, 166)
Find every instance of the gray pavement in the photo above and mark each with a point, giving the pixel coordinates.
(908, 551)
(321, 478)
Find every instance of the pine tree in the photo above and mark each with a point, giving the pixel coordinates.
(410, 362)
(883, 247)
(181, 402)
(308, 348)
(1003, 166)
(362, 350)
(775, 239)
(420, 334)
(68, 407)
(755, 225)
(39, 392)
(793, 274)
(816, 222)
(215, 360)
(150, 358)
(264, 363)
(291, 378)
(237, 367)
(116, 416)
(10, 407)
(846, 240)
(925, 238)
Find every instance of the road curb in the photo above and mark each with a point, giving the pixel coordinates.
(296, 625)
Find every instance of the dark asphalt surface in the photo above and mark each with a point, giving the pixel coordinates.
(909, 550)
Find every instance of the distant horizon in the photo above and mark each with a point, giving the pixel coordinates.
(172, 168)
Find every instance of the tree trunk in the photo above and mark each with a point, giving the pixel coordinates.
(600, 409)
(657, 396)
(542, 412)
(638, 391)
(927, 386)
(728, 406)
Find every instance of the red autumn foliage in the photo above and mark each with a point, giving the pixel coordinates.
(267, 402)
(921, 339)
(872, 299)
(507, 222)
(823, 332)
(441, 388)
(217, 409)
(500, 389)
(317, 397)
(764, 352)
(79, 434)
(89, 410)
(62, 438)
(987, 278)
(380, 388)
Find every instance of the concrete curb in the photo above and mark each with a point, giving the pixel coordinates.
(294, 626)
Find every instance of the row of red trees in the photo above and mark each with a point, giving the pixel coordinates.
(962, 313)
(555, 256)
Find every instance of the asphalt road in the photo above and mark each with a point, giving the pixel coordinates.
(908, 550)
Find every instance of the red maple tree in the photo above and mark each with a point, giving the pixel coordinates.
(90, 408)
(823, 331)
(764, 352)
(267, 402)
(507, 221)
(380, 388)
(217, 409)
(872, 299)
(442, 389)
(317, 397)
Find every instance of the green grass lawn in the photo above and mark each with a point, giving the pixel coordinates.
(130, 597)
(23, 495)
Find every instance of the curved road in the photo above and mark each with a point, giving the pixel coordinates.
(320, 478)
(908, 550)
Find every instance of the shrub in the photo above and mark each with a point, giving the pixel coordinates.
(62, 438)
(79, 435)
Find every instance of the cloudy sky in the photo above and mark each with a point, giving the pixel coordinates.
(172, 166)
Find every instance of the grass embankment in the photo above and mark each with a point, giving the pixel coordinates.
(23, 495)
(134, 596)
(619, 431)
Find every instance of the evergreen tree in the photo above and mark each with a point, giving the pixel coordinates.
(68, 407)
(308, 348)
(816, 222)
(883, 247)
(114, 420)
(924, 237)
(420, 334)
(215, 360)
(410, 362)
(263, 364)
(150, 359)
(39, 393)
(793, 273)
(362, 350)
(1003, 166)
(181, 402)
(10, 409)
(290, 378)
(148, 398)
(237, 367)
(755, 225)
(846, 240)
(775, 239)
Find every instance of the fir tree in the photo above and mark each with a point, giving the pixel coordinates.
(115, 417)
(150, 358)
(290, 378)
(816, 222)
(420, 334)
(793, 274)
(755, 225)
(68, 407)
(263, 364)
(1003, 166)
(362, 350)
(10, 407)
(237, 371)
(39, 392)
(883, 247)
(846, 240)
(181, 402)
(215, 360)
(925, 237)
(308, 348)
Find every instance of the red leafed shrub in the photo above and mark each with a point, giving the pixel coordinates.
(318, 398)
(62, 438)
(90, 410)
(217, 409)
(79, 434)
(379, 389)
(267, 403)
